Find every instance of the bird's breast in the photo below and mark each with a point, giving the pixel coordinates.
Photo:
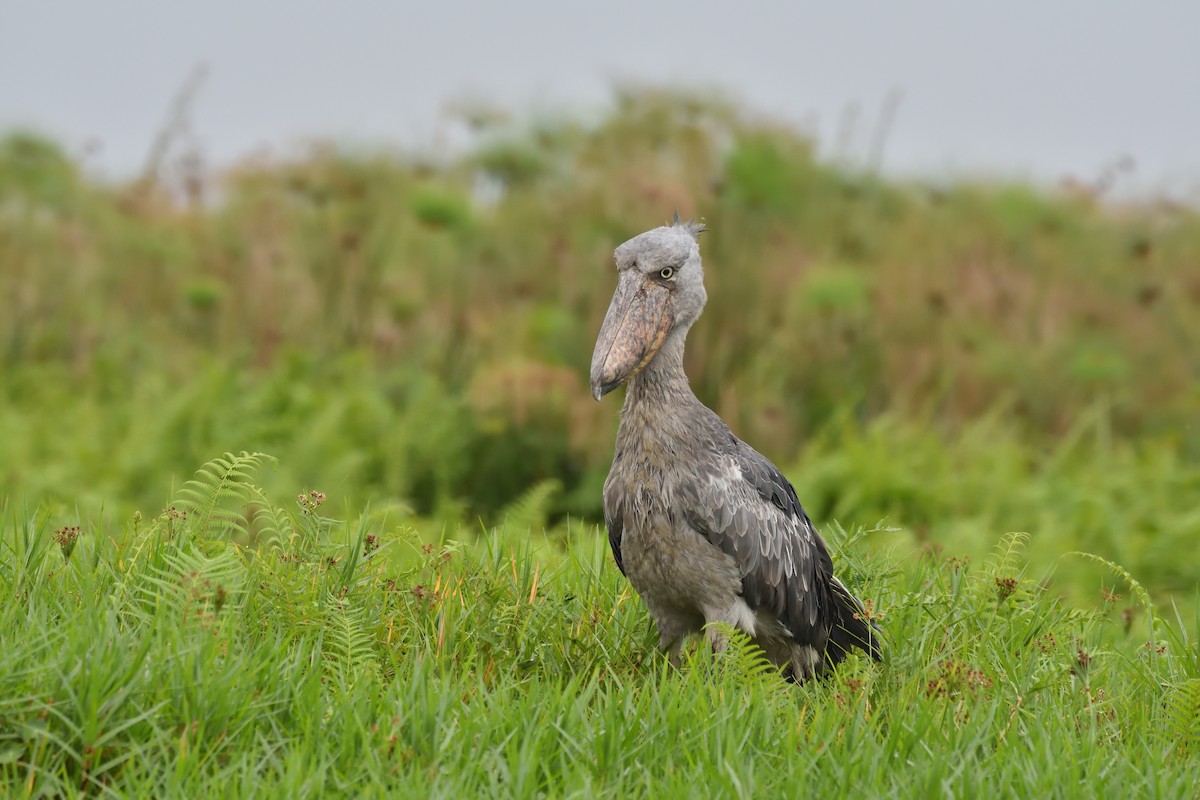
(666, 560)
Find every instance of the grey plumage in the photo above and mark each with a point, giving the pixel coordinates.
(705, 528)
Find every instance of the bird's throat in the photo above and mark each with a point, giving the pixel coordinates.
(662, 377)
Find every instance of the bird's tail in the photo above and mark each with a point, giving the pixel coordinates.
(852, 627)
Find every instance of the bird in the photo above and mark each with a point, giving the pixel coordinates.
(705, 528)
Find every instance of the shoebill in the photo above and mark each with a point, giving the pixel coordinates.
(705, 528)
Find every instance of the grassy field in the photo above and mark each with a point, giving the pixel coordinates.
(157, 657)
(994, 390)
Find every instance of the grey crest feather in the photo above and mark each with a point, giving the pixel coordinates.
(693, 227)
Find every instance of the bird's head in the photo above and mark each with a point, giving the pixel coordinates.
(660, 291)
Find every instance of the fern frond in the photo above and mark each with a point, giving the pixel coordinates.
(531, 511)
(348, 644)
(1006, 555)
(270, 525)
(741, 657)
(1138, 590)
(191, 585)
(214, 497)
(1183, 716)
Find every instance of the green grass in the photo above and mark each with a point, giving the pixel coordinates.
(237, 645)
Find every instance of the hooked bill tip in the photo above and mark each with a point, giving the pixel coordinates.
(600, 389)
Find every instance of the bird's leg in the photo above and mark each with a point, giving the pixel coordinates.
(806, 662)
(719, 620)
(717, 638)
(672, 647)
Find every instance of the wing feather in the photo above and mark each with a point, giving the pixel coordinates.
(613, 521)
(749, 510)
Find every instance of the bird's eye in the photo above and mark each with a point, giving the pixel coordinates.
(666, 272)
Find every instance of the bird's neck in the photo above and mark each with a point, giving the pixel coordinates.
(663, 378)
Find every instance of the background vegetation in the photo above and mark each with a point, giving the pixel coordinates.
(934, 367)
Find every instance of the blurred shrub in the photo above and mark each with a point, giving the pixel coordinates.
(514, 163)
(761, 179)
(36, 173)
(836, 290)
(439, 208)
(384, 319)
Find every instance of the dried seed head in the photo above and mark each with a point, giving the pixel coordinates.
(66, 539)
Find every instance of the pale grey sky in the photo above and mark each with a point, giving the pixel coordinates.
(1021, 88)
